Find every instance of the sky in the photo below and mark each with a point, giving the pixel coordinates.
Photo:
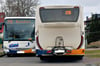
(89, 6)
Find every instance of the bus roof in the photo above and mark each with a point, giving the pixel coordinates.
(19, 17)
(58, 6)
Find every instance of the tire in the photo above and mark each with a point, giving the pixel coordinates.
(9, 55)
(80, 57)
(42, 58)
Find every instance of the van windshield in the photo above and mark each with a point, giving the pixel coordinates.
(59, 15)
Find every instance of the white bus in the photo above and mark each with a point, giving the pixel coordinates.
(19, 35)
(60, 31)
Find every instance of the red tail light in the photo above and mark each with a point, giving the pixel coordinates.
(69, 51)
(49, 51)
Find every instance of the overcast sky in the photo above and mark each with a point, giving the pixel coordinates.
(90, 6)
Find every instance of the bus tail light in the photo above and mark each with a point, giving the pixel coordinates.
(69, 51)
(49, 51)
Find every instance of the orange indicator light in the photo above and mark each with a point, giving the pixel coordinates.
(68, 12)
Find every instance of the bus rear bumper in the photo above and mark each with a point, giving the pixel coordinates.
(76, 52)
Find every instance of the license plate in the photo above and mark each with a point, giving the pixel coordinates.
(59, 51)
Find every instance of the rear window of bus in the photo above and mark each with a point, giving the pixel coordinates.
(59, 15)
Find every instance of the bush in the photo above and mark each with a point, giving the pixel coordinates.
(94, 45)
(92, 37)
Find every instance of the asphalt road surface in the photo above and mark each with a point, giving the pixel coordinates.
(35, 61)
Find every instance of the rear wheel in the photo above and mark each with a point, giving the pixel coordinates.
(9, 55)
(80, 57)
(43, 58)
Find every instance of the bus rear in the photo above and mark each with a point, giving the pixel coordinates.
(60, 31)
(19, 35)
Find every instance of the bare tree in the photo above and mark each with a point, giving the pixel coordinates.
(20, 7)
(1, 3)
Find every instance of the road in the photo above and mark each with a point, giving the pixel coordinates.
(31, 61)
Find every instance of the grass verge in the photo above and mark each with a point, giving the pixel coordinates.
(92, 53)
(1, 51)
(1, 54)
